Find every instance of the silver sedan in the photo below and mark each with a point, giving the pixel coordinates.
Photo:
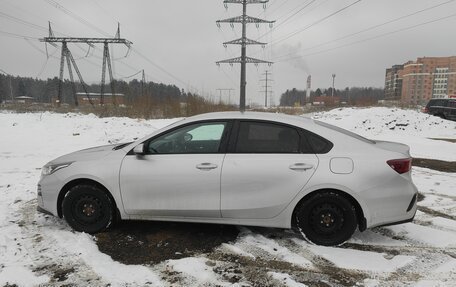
(256, 169)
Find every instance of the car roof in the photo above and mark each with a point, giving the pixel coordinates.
(266, 116)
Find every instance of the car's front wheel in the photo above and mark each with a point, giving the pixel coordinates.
(326, 218)
(87, 208)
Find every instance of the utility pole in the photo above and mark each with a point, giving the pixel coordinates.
(11, 89)
(66, 54)
(332, 91)
(266, 86)
(244, 19)
(220, 94)
(143, 81)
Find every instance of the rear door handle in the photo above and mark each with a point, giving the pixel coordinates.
(206, 166)
(300, 166)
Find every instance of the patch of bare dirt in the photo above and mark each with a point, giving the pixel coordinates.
(442, 139)
(142, 242)
(440, 165)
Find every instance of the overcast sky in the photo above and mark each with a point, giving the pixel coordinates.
(181, 37)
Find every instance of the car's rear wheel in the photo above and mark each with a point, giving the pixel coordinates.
(87, 208)
(326, 218)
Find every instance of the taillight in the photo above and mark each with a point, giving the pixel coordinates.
(400, 165)
(425, 110)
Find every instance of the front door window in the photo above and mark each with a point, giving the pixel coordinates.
(196, 138)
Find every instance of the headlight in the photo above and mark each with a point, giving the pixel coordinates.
(50, 169)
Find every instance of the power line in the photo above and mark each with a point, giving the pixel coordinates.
(24, 22)
(294, 14)
(5, 72)
(244, 19)
(372, 38)
(280, 6)
(373, 27)
(131, 76)
(18, 36)
(76, 17)
(87, 23)
(316, 22)
(157, 66)
(32, 25)
(80, 19)
(27, 38)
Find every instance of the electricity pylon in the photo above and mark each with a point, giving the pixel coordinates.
(266, 92)
(244, 19)
(66, 54)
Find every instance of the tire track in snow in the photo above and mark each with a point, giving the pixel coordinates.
(43, 248)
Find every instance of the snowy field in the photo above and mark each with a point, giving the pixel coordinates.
(37, 249)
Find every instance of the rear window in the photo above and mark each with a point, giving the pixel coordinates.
(437, 103)
(345, 132)
(315, 144)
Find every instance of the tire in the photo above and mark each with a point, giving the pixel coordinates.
(326, 218)
(87, 208)
(442, 116)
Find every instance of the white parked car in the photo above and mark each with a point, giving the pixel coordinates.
(258, 169)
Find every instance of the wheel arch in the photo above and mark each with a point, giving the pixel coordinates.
(64, 190)
(362, 223)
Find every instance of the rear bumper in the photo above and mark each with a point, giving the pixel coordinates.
(398, 222)
(391, 203)
(401, 216)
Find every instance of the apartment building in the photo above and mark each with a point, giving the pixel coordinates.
(393, 84)
(420, 80)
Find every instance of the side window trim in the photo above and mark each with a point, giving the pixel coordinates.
(224, 141)
(305, 142)
(233, 137)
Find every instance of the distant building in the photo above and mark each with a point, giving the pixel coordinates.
(393, 83)
(24, 100)
(420, 80)
(326, 101)
(108, 99)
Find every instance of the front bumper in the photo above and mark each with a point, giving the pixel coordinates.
(42, 210)
(47, 193)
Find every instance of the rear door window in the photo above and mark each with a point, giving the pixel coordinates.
(263, 137)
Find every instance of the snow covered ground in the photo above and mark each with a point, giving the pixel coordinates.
(37, 249)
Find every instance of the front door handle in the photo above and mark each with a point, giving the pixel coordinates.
(206, 166)
(301, 166)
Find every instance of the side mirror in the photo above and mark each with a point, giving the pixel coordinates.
(139, 149)
(187, 137)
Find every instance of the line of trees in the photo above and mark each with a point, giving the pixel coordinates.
(148, 100)
(352, 96)
(43, 91)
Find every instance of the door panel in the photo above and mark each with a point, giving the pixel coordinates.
(179, 175)
(172, 185)
(268, 166)
(262, 185)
